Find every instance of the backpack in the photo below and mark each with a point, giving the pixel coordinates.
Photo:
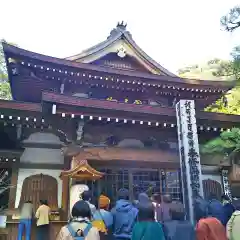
(76, 235)
(100, 224)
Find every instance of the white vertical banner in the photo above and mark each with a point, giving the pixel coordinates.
(226, 184)
(189, 155)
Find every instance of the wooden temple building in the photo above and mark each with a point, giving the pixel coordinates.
(105, 117)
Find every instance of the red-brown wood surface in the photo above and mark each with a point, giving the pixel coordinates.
(12, 230)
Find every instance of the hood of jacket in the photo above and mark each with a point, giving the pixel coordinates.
(143, 198)
(124, 215)
(124, 206)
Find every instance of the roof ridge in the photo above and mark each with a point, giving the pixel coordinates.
(13, 50)
(116, 33)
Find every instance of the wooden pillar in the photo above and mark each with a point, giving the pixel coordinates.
(65, 189)
(65, 197)
(130, 179)
(13, 190)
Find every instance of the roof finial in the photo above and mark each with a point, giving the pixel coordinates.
(122, 25)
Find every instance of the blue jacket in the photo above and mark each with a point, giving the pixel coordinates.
(215, 209)
(124, 217)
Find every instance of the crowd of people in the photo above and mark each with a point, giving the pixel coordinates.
(144, 219)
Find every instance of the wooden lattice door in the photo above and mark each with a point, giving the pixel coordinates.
(212, 187)
(39, 187)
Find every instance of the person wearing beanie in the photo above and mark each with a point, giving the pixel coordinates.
(124, 216)
(102, 218)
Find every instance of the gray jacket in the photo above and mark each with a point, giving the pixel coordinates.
(26, 211)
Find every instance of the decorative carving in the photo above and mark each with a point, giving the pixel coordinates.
(189, 154)
(19, 131)
(62, 88)
(226, 185)
(122, 25)
(121, 52)
(81, 170)
(80, 130)
(112, 140)
(174, 102)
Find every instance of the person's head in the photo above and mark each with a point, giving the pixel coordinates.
(143, 197)
(177, 211)
(103, 202)
(81, 209)
(146, 212)
(167, 198)
(43, 202)
(156, 198)
(123, 194)
(201, 206)
(212, 196)
(86, 196)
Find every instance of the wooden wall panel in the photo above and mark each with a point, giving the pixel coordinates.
(39, 187)
(12, 230)
(212, 187)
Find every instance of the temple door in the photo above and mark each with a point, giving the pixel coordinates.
(149, 181)
(39, 187)
(171, 183)
(212, 187)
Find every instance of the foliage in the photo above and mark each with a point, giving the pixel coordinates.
(3, 69)
(217, 69)
(204, 71)
(230, 103)
(230, 69)
(5, 91)
(228, 144)
(231, 21)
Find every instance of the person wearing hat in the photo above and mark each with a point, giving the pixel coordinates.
(102, 218)
(124, 216)
(80, 224)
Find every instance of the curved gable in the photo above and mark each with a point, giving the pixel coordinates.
(121, 44)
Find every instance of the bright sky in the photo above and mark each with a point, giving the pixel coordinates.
(173, 32)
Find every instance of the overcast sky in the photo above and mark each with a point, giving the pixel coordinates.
(173, 32)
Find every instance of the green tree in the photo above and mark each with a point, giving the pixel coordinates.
(230, 103)
(231, 21)
(217, 69)
(206, 71)
(227, 144)
(5, 91)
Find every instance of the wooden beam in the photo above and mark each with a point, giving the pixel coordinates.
(41, 165)
(13, 190)
(65, 197)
